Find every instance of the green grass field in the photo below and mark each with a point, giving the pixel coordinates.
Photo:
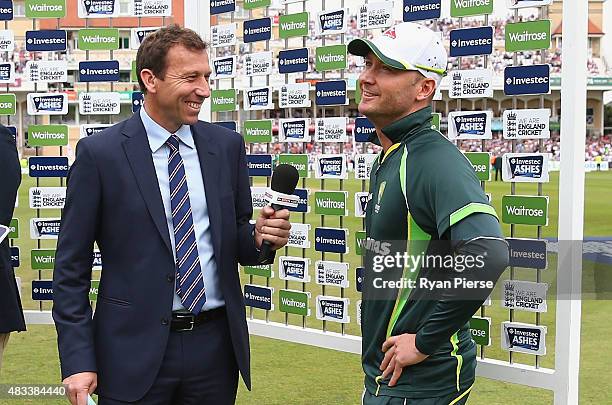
(287, 373)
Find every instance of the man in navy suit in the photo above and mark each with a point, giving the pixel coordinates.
(167, 200)
(11, 315)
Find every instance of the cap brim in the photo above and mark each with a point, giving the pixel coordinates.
(361, 47)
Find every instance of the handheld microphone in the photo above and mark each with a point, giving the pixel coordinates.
(284, 179)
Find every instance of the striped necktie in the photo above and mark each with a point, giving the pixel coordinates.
(189, 282)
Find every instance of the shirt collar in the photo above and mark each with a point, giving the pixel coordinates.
(157, 135)
(405, 127)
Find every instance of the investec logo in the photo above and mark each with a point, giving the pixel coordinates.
(49, 103)
(331, 166)
(527, 166)
(103, 7)
(224, 67)
(331, 241)
(462, 43)
(473, 124)
(332, 21)
(294, 129)
(331, 93)
(258, 97)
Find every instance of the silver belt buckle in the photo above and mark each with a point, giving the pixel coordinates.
(180, 316)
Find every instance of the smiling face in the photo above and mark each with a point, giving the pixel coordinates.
(388, 94)
(177, 98)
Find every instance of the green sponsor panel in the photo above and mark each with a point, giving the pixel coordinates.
(293, 25)
(42, 259)
(258, 131)
(252, 4)
(98, 39)
(48, 135)
(481, 163)
(93, 290)
(133, 74)
(330, 202)
(435, 121)
(360, 237)
(299, 161)
(45, 8)
(480, 329)
(223, 100)
(293, 302)
(464, 8)
(8, 104)
(525, 210)
(331, 57)
(264, 270)
(526, 36)
(14, 227)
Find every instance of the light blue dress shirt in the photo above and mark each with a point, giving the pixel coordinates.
(157, 137)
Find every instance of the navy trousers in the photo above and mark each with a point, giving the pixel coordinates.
(199, 368)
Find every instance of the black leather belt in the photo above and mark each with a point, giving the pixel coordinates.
(185, 321)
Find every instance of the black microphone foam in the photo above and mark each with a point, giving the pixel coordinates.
(284, 179)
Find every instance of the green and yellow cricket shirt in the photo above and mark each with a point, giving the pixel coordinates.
(422, 170)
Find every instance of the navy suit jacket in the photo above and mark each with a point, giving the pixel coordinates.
(113, 199)
(11, 315)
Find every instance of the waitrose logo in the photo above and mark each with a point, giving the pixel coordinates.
(525, 36)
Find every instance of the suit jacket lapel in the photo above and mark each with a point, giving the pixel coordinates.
(138, 152)
(208, 153)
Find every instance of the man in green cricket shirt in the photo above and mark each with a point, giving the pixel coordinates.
(434, 245)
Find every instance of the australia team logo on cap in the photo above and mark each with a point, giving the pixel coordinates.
(330, 167)
(525, 167)
(294, 130)
(224, 68)
(47, 103)
(332, 309)
(98, 8)
(258, 98)
(331, 22)
(46, 40)
(469, 125)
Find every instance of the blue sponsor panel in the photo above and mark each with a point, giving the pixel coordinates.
(363, 129)
(258, 297)
(227, 124)
(333, 240)
(5, 71)
(96, 263)
(99, 71)
(6, 10)
(222, 6)
(295, 130)
(302, 206)
(419, 10)
(471, 41)
(13, 131)
(526, 80)
(332, 22)
(293, 60)
(15, 257)
(44, 228)
(42, 290)
(359, 273)
(528, 253)
(48, 166)
(259, 165)
(331, 93)
(257, 30)
(137, 101)
(46, 40)
(224, 67)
